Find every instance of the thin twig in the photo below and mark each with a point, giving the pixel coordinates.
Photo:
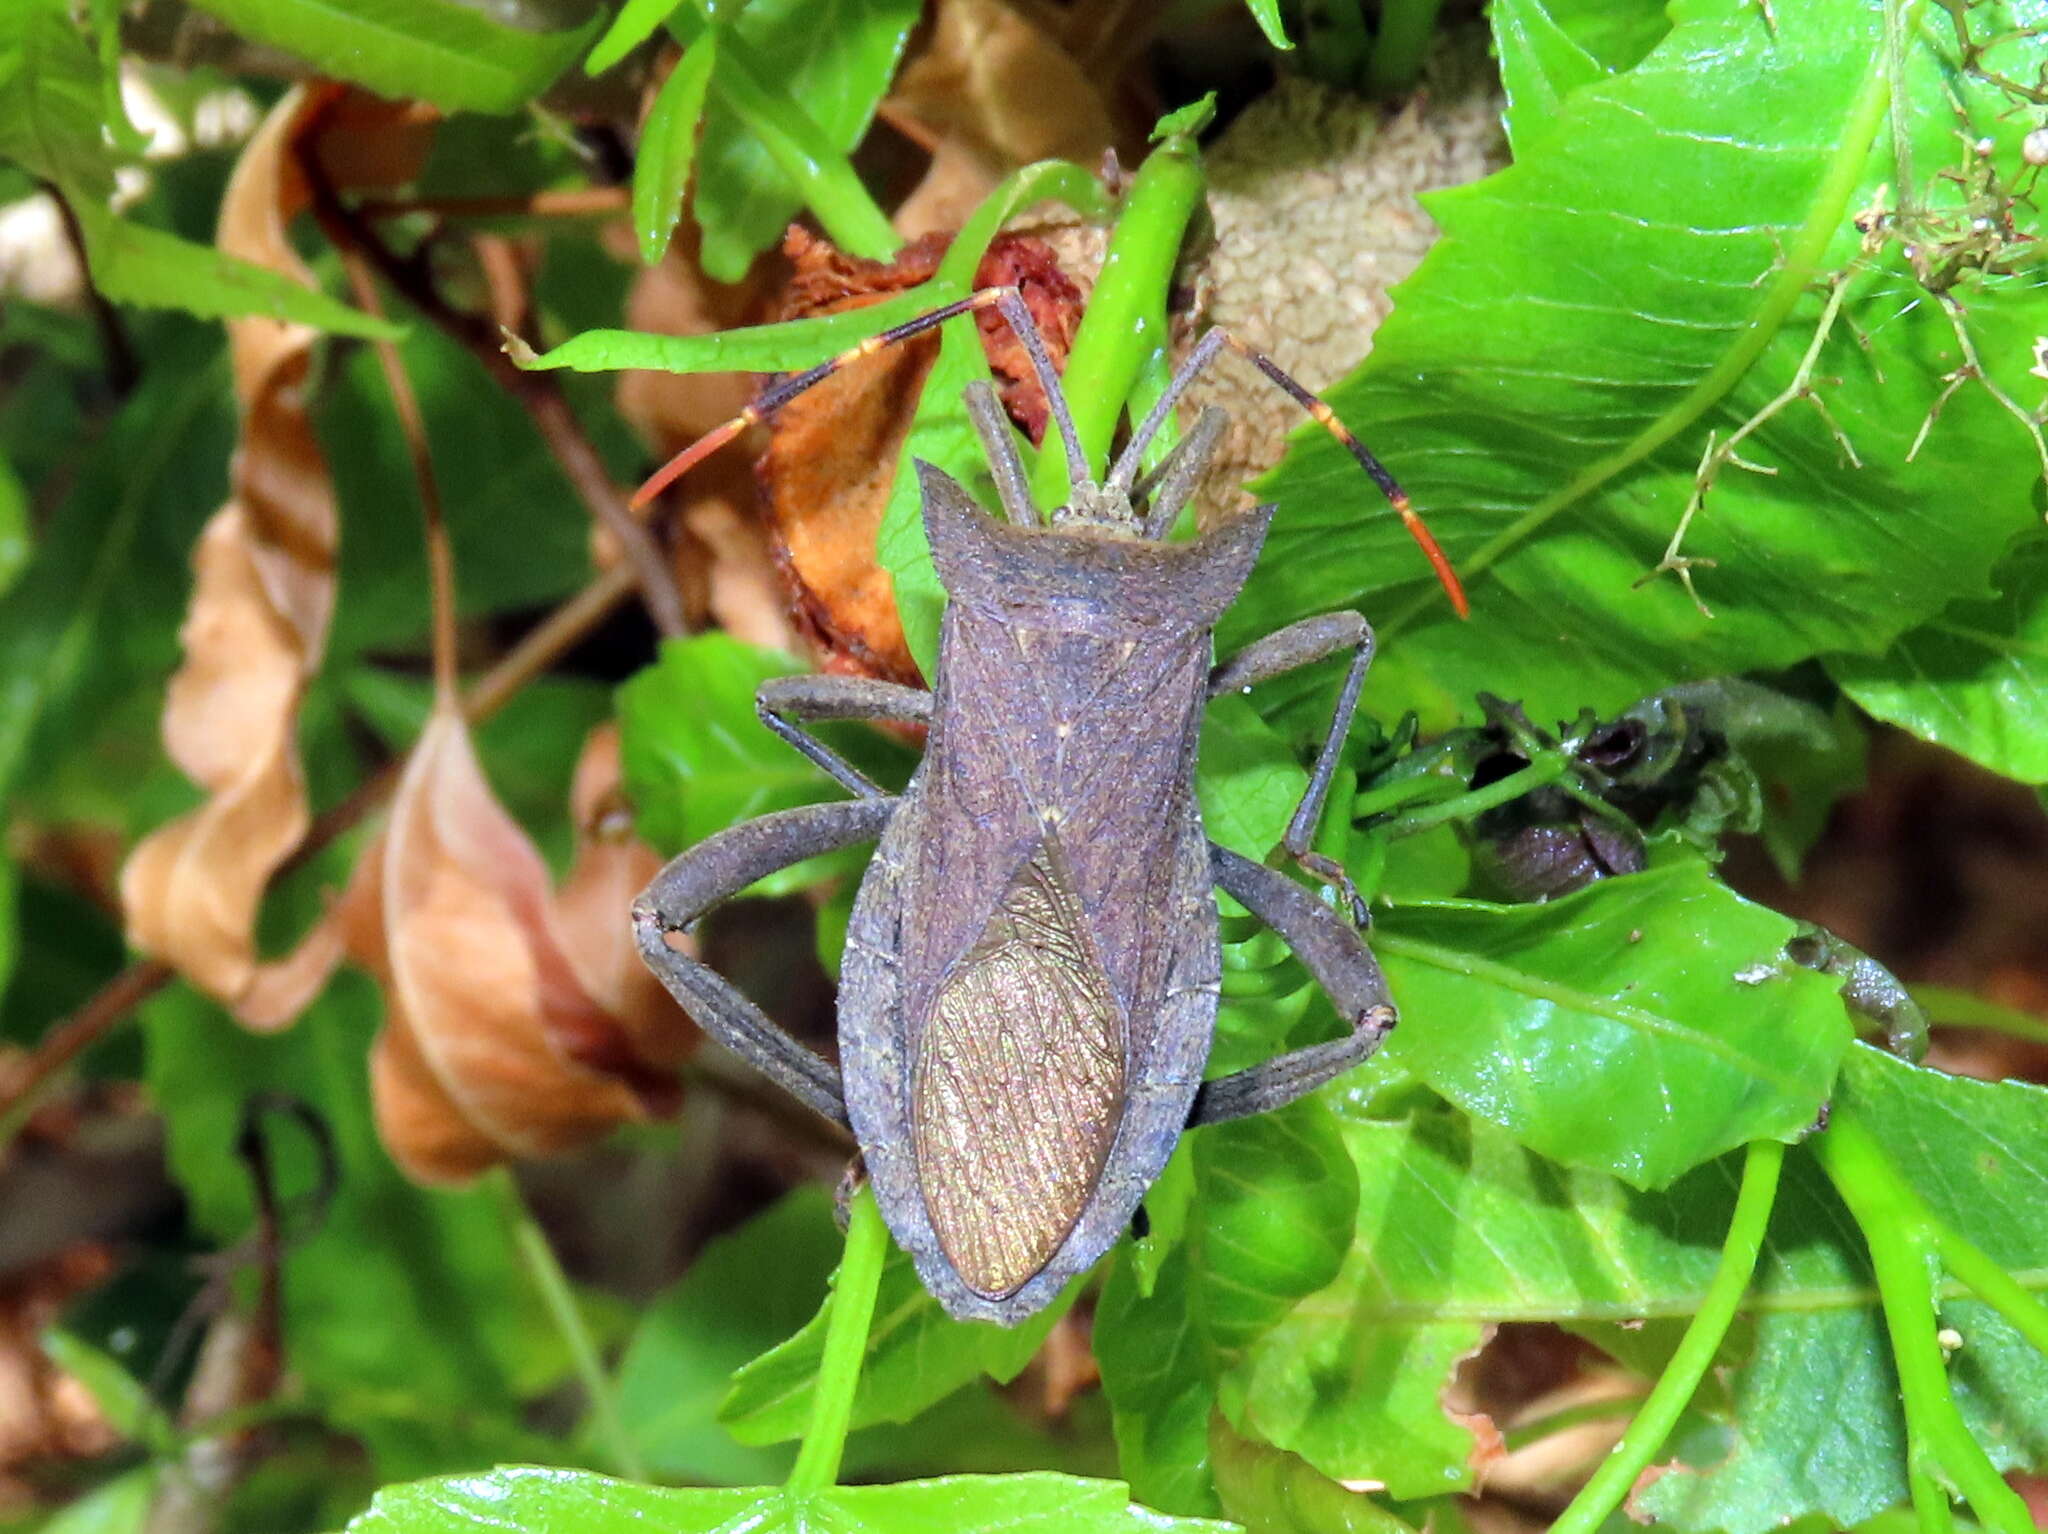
(63, 1042)
(572, 202)
(67, 1040)
(124, 371)
(412, 425)
(537, 393)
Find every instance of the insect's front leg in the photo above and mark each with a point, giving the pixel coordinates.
(717, 869)
(1297, 645)
(782, 700)
(1342, 965)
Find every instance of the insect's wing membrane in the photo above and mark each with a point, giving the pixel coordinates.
(1017, 1084)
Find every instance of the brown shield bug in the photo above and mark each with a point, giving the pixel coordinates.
(1031, 973)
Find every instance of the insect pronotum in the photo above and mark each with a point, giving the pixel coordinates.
(1031, 972)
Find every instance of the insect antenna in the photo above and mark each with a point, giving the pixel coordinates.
(1125, 470)
(1007, 301)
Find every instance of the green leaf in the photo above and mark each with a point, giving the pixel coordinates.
(668, 146)
(1549, 48)
(1270, 1221)
(1459, 1227)
(142, 491)
(1641, 277)
(1267, 1488)
(134, 264)
(407, 1314)
(521, 538)
(50, 100)
(451, 54)
(799, 85)
(121, 1506)
(1640, 1026)
(567, 1502)
(120, 1396)
(1160, 1388)
(782, 347)
(1274, 1199)
(1247, 779)
(1267, 14)
(636, 22)
(1978, 1152)
(916, 1356)
(14, 537)
(1974, 679)
(696, 757)
(106, 26)
(743, 1294)
(51, 104)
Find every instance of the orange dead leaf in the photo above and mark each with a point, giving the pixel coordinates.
(832, 454)
(493, 1047)
(992, 78)
(612, 866)
(257, 625)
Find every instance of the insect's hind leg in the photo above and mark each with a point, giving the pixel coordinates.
(1342, 965)
(1300, 644)
(717, 869)
(782, 700)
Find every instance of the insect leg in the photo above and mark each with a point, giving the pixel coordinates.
(1170, 485)
(992, 425)
(717, 869)
(782, 700)
(1299, 644)
(1342, 965)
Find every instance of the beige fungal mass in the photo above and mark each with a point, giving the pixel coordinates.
(1313, 196)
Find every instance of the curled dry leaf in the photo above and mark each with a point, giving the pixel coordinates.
(499, 1039)
(612, 866)
(993, 81)
(832, 453)
(257, 625)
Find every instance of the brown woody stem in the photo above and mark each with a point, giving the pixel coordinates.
(413, 426)
(537, 393)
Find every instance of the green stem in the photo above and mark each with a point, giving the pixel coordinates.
(1901, 1235)
(1992, 1284)
(846, 1341)
(1465, 806)
(1406, 27)
(1953, 1008)
(1122, 326)
(560, 1299)
(1681, 1377)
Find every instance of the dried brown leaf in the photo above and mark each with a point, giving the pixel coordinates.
(993, 80)
(488, 1025)
(264, 594)
(612, 866)
(833, 451)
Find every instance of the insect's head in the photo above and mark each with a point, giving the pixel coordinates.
(1078, 573)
